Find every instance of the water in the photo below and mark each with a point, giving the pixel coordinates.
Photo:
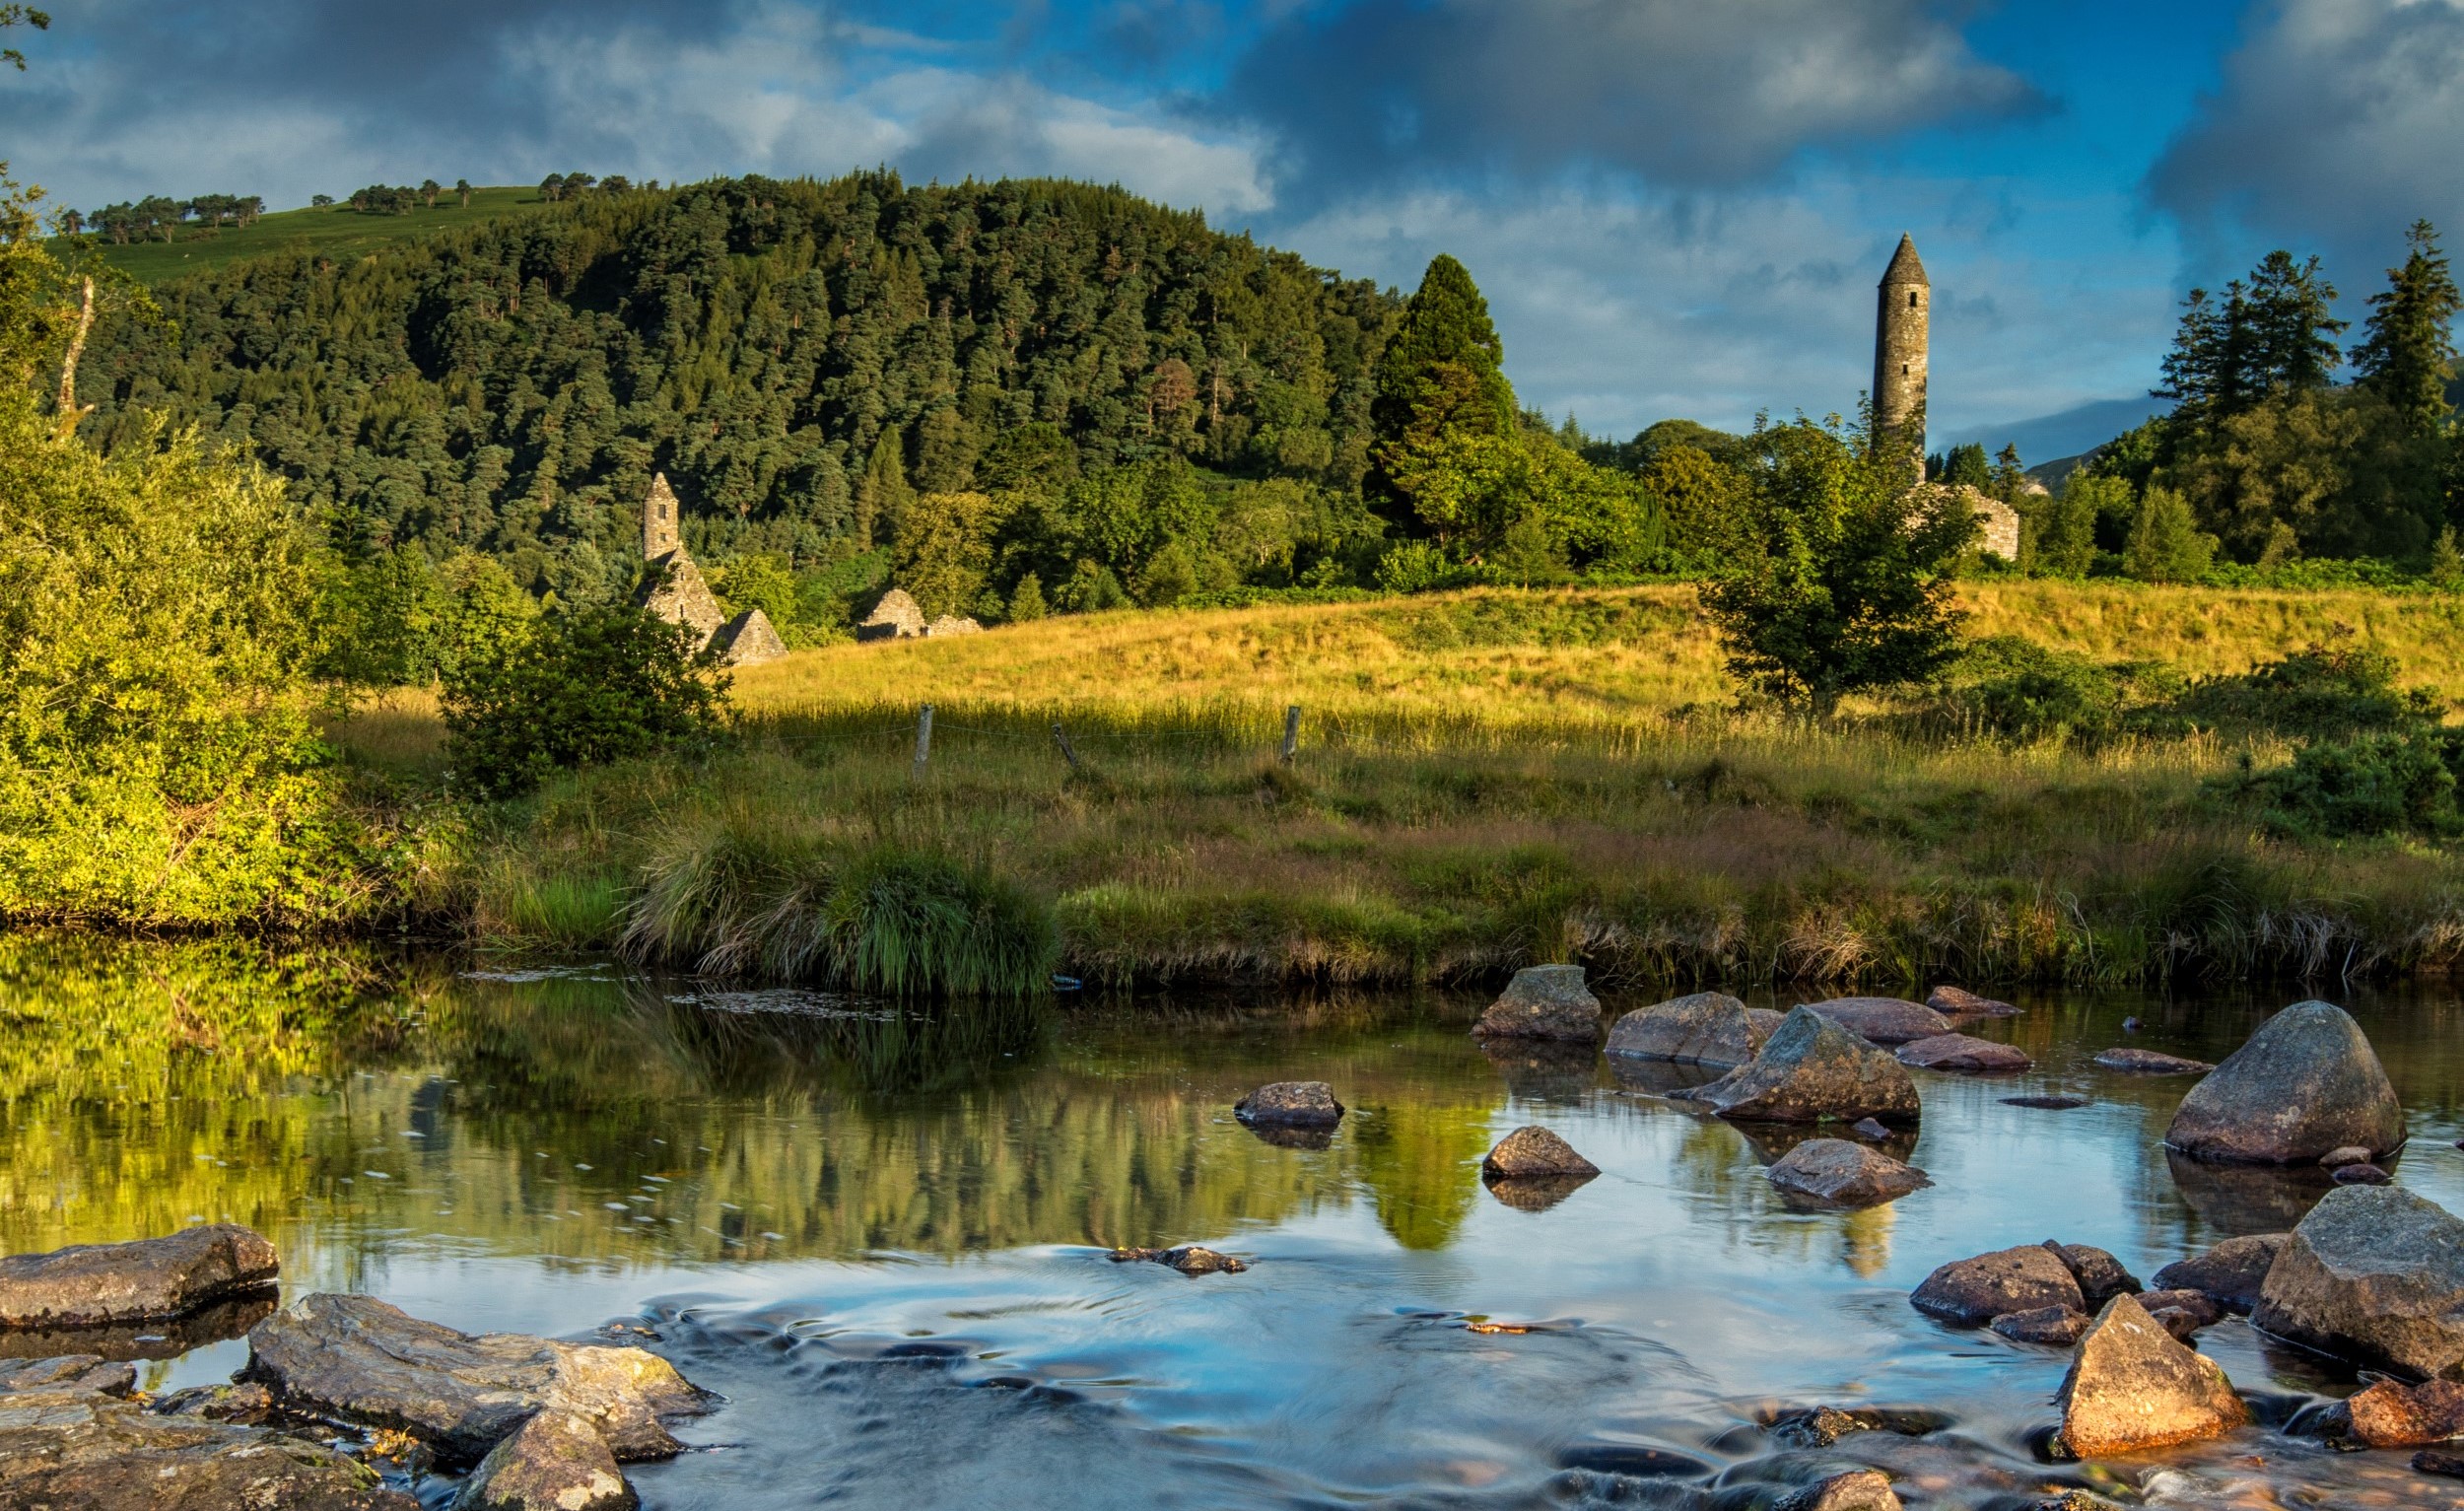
(885, 1241)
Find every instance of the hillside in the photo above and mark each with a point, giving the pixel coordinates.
(333, 232)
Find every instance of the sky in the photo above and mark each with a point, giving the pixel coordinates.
(1675, 207)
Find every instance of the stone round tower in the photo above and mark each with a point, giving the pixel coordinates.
(1899, 327)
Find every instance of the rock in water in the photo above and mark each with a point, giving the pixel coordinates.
(81, 1451)
(555, 1461)
(1956, 1002)
(2361, 1175)
(151, 1279)
(2149, 1063)
(1968, 1055)
(1188, 1259)
(68, 1372)
(1290, 1104)
(2306, 1083)
(2345, 1154)
(2135, 1385)
(2057, 1326)
(2101, 1276)
(1864, 1490)
(1535, 1153)
(1542, 1001)
(1972, 1292)
(1837, 1172)
(355, 1359)
(2229, 1275)
(2202, 1308)
(2429, 1462)
(2392, 1416)
(1813, 1069)
(1707, 1028)
(1883, 1019)
(2374, 1274)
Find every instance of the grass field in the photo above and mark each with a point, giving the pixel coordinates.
(336, 231)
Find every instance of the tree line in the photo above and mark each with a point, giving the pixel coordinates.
(159, 217)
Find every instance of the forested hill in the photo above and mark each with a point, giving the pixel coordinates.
(774, 347)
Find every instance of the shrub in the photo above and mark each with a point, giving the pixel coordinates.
(2018, 690)
(2313, 693)
(2371, 785)
(586, 685)
(2166, 544)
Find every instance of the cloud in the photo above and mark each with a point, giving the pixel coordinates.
(1680, 91)
(2336, 127)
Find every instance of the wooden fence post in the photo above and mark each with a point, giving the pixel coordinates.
(1291, 733)
(1062, 740)
(923, 741)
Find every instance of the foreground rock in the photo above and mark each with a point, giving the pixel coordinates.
(1972, 1292)
(1535, 1153)
(555, 1461)
(84, 1451)
(1837, 1172)
(1883, 1019)
(1542, 1001)
(2305, 1083)
(355, 1359)
(1813, 1069)
(2149, 1063)
(2374, 1274)
(2135, 1385)
(1958, 1002)
(2056, 1326)
(1188, 1259)
(2393, 1415)
(1864, 1490)
(1290, 1104)
(1965, 1055)
(150, 1279)
(1706, 1028)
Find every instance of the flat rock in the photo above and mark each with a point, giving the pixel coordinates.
(1813, 1069)
(355, 1359)
(1290, 1104)
(1188, 1259)
(2345, 1154)
(2101, 1276)
(1542, 1001)
(1963, 1053)
(2374, 1274)
(1972, 1292)
(151, 1278)
(2229, 1275)
(1883, 1019)
(1535, 1153)
(1837, 1172)
(554, 1462)
(2305, 1083)
(2149, 1063)
(84, 1451)
(2135, 1385)
(2057, 1326)
(2393, 1415)
(1959, 1002)
(1706, 1028)
(1862, 1489)
(67, 1372)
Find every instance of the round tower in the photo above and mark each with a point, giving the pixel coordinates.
(660, 534)
(1899, 327)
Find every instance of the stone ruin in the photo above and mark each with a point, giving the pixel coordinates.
(1902, 318)
(897, 616)
(1998, 523)
(673, 588)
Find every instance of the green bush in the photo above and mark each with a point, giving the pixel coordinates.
(2018, 690)
(586, 685)
(2314, 693)
(2402, 783)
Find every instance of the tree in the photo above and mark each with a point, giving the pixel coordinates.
(1707, 503)
(1967, 465)
(1441, 375)
(2410, 348)
(1847, 586)
(2066, 531)
(321, 201)
(586, 685)
(461, 187)
(2273, 335)
(429, 190)
(882, 494)
(1026, 600)
(21, 16)
(2166, 544)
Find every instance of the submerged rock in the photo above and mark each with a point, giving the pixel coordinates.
(2135, 1385)
(1542, 1001)
(84, 1451)
(1290, 1104)
(1972, 1292)
(2057, 1326)
(1535, 1153)
(68, 1372)
(1958, 1002)
(2052, 1103)
(355, 1359)
(1867, 1128)
(1706, 1028)
(2361, 1175)
(1862, 1489)
(1961, 1053)
(1837, 1172)
(1883, 1019)
(554, 1462)
(1824, 1426)
(2305, 1083)
(1813, 1069)
(149, 1279)
(2374, 1274)
(1188, 1259)
(2101, 1276)
(2149, 1063)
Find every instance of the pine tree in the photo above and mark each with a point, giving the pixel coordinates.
(1440, 379)
(1026, 600)
(2410, 347)
(2293, 334)
(2166, 544)
(884, 495)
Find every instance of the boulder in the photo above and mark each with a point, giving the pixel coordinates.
(2431, 1462)
(1972, 1292)
(2182, 1323)
(355, 1359)
(1290, 1104)
(1837, 1172)
(2149, 1063)
(1862, 1489)
(554, 1462)
(2393, 1415)
(2228, 1275)
(1767, 1021)
(1813, 1069)
(1188, 1259)
(2057, 1326)
(1958, 1002)
(1542, 1001)
(1707, 1028)
(84, 1451)
(1965, 1055)
(2306, 1083)
(2374, 1274)
(2203, 1309)
(2135, 1385)
(1883, 1019)
(2101, 1276)
(2345, 1154)
(150, 1279)
(1535, 1153)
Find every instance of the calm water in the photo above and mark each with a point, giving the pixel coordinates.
(883, 1240)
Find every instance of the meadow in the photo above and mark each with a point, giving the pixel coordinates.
(335, 232)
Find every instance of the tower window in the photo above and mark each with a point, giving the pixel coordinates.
(1912, 299)
(1903, 370)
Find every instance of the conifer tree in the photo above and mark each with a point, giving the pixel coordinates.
(2410, 346)
(884, 495)
(1441, 375)
(2166, 544)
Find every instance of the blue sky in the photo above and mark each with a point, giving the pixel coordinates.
(1676, 207)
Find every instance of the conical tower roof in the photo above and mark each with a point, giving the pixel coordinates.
(1904, 267)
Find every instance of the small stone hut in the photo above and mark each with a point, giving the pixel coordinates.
(673, 588)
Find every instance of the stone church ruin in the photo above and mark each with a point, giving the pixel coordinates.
(673, 588)
(1901, 332)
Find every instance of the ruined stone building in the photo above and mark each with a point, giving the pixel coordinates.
(1903, 322)
(673, 587)
(897, 616)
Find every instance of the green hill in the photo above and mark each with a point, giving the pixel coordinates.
(334, 232)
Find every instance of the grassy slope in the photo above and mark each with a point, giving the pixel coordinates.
(334, 232)
(1488, 780)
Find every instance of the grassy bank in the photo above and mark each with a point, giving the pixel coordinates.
(1484, 782)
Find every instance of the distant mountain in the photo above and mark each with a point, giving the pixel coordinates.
(2064, 433)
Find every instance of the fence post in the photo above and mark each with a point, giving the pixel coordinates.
(923, 741)
(1291, 733)
(1062, 740)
